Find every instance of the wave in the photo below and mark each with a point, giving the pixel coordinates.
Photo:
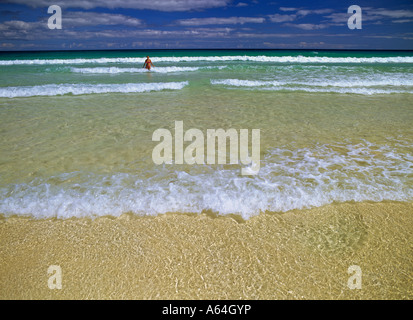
(261, 58)
(115, 70)
(363, 91)
(81, 88)
(342, 86)
(288, 179)
(314, 82)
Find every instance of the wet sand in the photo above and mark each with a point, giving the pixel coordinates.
(301, 254)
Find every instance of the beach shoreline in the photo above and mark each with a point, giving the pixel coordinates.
(300, 254)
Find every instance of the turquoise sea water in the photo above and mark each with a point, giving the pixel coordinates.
(76, 130)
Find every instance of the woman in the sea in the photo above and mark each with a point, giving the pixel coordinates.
(148, 63)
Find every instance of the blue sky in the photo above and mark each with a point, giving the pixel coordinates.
(180, 24)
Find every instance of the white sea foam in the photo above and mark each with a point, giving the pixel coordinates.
(83, 88)
(261, 58)
(340, 86)
(289, 179)
(246, 83)
(344, 83)
(363, 91)
(115, 70)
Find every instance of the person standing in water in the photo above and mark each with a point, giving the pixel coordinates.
(148, 63)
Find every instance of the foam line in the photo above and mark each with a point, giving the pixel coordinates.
(77, 89)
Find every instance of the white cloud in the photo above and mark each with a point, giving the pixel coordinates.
(404, 36)
(79, 18)
(306, 26)
(303, 12)
(16, 29)
(373, 15)
(7, 45)
(298, 14)
(160, 5)
(145, 34)
(392, 13)
(282, 17)
(288, 9)
(274, 35)
(403, 21)
(18, 25)
(338, 17)
(209, 21)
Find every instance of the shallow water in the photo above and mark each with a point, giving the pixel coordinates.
(76, 134)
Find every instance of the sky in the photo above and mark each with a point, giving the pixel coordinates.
(205, 24)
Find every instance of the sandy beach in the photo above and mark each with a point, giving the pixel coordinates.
(300, 254)
(81, 192)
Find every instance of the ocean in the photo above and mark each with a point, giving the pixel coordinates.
(77, 126)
